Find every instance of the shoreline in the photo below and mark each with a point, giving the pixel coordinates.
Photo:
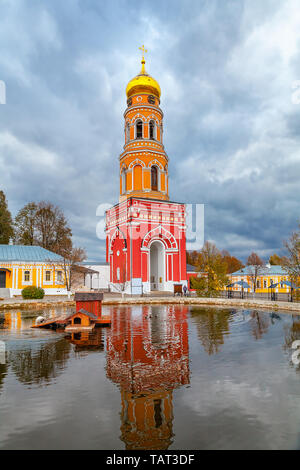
(200, 301)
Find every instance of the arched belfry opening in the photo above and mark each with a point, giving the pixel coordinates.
(154, 178)
(152, 130)
(157, 266)
(139, 129)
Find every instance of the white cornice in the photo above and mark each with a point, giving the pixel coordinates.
(143, 151)
(156, 142)
(143, 106)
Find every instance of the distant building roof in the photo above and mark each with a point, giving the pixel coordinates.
(268, 270)
(190, 268)
(26, 253)
(84, 270)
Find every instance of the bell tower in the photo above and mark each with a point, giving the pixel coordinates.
(144, 162)
(145, 232)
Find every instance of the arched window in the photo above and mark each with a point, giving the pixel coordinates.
(139, 129)
(127, 133)
(123, 176)
(152, 130)
(154, 178)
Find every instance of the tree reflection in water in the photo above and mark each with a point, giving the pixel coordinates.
(39, 363)
(3, 372)
(147, 356)
(260, 323)
(212, 324)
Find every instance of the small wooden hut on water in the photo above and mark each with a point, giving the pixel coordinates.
(87, 315)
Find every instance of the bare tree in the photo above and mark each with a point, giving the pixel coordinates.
(43, 224)
(70, 260)
(53, 232)
(25, 225)
(292, 263)
(255, 268)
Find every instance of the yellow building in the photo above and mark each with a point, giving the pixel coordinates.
(269, 275)
(22, 266)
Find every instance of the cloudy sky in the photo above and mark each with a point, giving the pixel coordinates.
(232, 123)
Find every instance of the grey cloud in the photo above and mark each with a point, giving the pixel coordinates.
(231, 131)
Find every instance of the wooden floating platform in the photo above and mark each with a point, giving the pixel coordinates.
(60, 322)
(75, 329)
(54, 322)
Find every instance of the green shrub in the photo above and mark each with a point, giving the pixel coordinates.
(32, 292)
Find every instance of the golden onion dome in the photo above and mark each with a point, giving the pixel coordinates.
(143, 83)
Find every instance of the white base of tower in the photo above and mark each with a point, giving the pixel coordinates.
(132, 288)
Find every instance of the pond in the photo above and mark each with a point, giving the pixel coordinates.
(162, 377)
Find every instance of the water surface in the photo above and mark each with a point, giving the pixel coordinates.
(162, 377)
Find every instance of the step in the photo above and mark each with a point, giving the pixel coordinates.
(159, 293)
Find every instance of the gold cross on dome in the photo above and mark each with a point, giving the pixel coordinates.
(143, 52)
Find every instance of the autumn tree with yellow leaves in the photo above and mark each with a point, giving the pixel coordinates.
(212, 269)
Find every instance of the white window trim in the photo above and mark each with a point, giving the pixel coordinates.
(135, 129)
(30, 282)
(62, 281)
(154, 130)
(45, 282)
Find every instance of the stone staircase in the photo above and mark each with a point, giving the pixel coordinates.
(159, 293)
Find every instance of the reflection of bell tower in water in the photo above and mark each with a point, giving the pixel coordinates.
(147, 356)
(146, 242)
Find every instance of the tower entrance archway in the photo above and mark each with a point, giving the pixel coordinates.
(157, 266)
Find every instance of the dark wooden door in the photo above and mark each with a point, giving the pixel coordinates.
(2, 279)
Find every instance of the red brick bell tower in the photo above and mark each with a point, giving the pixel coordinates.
(145, 232)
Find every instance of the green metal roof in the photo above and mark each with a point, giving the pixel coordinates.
(26, 253)
(265, 271)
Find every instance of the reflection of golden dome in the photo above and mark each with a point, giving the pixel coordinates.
(143, 83)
